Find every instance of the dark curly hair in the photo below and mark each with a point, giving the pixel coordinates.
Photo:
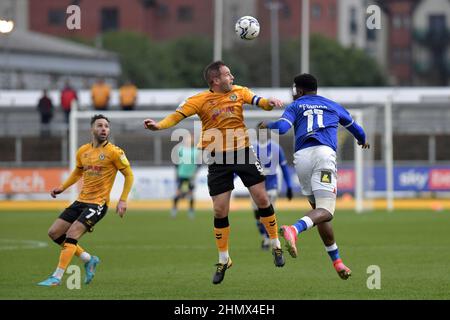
(98, 116)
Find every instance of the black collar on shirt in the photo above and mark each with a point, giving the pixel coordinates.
(103, 145)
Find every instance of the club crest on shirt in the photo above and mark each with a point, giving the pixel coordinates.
(101, 156)
(233, 97)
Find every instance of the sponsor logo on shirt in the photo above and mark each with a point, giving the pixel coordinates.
(325, 176)
(229, 111)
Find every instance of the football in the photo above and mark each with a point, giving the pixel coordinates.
(247, 28)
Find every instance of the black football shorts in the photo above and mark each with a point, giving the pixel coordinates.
(223, 169)
(86, 213)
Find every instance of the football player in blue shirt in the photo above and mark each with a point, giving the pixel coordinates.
(315, 120)
(271, 155)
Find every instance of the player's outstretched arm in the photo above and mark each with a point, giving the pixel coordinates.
(269, 104)
(284, 123)
(275, 103)
(365, 145)
(56, 191)
(151, 124)
(281, 125)
(73, 178)
(263, 103)
(358, 132)
(346, 120)
(169, 121)
(129, 179)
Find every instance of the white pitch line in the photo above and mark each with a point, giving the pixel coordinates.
(17, 244)
(154, 247)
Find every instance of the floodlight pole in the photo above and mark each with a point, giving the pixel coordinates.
(218, 25)
(6, 27)
(274, 6)
(305, 37)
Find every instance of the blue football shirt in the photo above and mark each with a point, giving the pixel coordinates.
(316, 117)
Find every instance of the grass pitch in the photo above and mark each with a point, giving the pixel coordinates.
(148, 255)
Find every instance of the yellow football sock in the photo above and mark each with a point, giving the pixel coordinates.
(222, 235)
(67, 252)
(79, 251)
(270, 223)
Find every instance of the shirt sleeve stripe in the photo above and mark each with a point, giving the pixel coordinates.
(257, 100)
(181, 113)
(253, 99)
(349, 124)
(287, 121)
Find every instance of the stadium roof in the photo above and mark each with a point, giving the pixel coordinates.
(34, 42)
(28, 51)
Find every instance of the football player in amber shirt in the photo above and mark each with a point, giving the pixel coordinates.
(97, 163)
(127, 96)
(224, 136)
(100, 93)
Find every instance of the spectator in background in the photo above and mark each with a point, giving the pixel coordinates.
(128, 95)
(45, 108)
(100, 93)
(68, 96)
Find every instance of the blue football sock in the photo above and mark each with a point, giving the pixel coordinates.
(333, 252)
(300, 225)
(303, 224)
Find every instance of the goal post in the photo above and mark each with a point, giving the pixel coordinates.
(360, 195)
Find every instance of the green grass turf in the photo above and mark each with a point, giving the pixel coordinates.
(148, 255)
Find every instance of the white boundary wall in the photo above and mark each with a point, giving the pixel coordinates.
(173, 97)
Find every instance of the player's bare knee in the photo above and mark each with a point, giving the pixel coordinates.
(74, 235)
(262, 200)
(328, 216)
(76, 230)
(220, 211)
(264, 203)
(220, 215)
(52, 233)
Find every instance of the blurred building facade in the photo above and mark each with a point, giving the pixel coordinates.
(38, 61)
(431, 39)
(35, 60)
(400, 39)
(159, 19)
(353, 32)
(411, 46)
